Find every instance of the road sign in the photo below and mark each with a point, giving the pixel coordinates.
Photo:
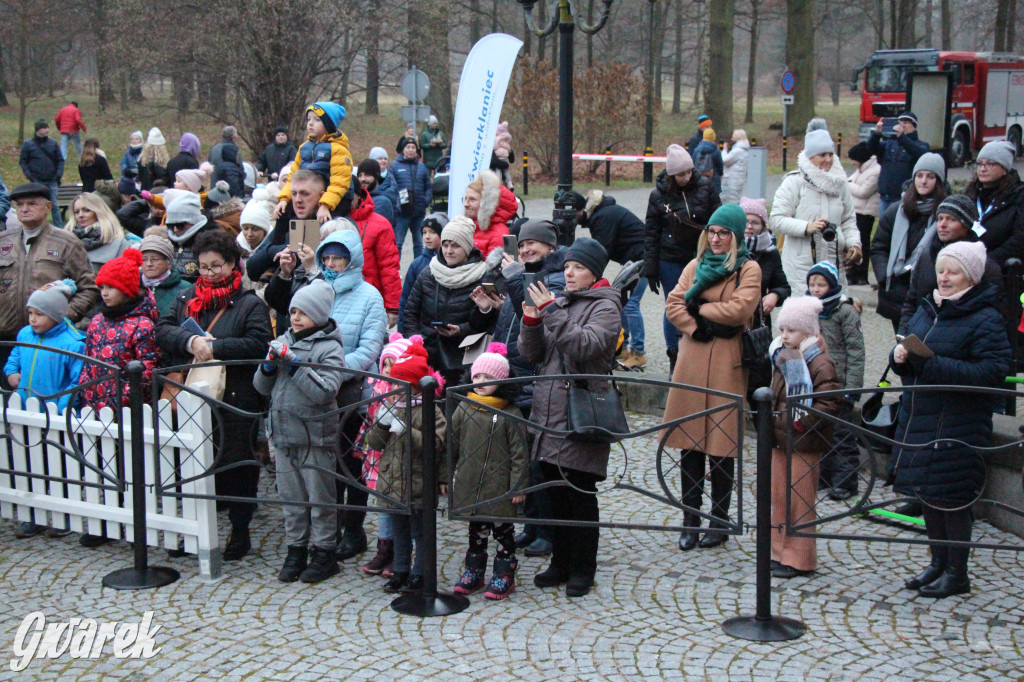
(421, 113)
(787, 99)
(415, 85)
(788, 81)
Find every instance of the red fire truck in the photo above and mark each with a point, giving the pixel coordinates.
(988, 94)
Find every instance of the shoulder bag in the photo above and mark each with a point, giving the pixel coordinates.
(594, 416)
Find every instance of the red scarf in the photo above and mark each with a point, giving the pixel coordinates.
(213, 295)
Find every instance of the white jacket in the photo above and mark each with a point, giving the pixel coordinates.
(864, 187)
(734, 178)
(805, 195)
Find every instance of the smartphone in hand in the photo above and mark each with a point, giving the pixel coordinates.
(528, 279)
(511, 245)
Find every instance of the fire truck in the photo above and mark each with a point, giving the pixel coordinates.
(988, 94)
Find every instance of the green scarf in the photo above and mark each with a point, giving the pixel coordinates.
(711, 270)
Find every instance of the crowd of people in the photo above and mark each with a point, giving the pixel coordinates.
(183, 260)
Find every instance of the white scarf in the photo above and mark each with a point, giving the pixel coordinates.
(459, 276)
(830, 183)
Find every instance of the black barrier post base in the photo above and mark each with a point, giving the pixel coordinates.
(424, 606)
(141, 576)
(146, 579)
(763, 626)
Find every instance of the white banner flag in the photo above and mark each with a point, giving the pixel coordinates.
(477, 111)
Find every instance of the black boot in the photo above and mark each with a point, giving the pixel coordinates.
(688, 538)
(584, 561)
(352, 543)
(294, 564)
(722, 469)
(238, 545)
(930, 574)
(558, 570)
(322, 565)
(691, 465)
(953, 580)
(528, 535)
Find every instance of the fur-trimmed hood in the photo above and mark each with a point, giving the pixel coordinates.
(497, 203)
(594, 199)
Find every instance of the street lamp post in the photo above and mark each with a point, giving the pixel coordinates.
(566, 21)
(649, 123)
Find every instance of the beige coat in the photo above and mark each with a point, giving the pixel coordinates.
(715, 364)
(864, 188)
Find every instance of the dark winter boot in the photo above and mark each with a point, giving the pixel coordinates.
(473, 576)
(352, 543)
(557, 571)
(722, 477)
(953, 580)
(397, 582)
(691, 465)
(688, 538)
(322, 565)
(503, 579)
(384, 556)
(238, 544)
(294, 564)
(932, 573)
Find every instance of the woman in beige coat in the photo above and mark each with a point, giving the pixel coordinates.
(713, 303)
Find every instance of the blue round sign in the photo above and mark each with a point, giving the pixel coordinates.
(788, 82)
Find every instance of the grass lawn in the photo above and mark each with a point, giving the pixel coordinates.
(113, 128)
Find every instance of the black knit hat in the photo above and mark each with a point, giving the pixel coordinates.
(578, 200)
(859, 152)
(369, 167)
(961, 207)
(589, 253)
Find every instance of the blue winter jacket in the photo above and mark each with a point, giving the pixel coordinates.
(415, 268)
(707, 157)
(390, 189)
(5, 201)
(41, 160)
(897, 157)
(44, 373)
(358, 306)
(971, 348)
(382, 204)
(413, 176)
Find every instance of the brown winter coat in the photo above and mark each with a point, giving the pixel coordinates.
(393, 479)
(584, 326)
(715, 364)
(488, 450)
(814, 436)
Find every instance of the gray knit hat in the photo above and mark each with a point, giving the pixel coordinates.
(931, 162)
(1000, 151)
(589, 253)
(818, 142)
(435, 221)
(160, 245)
(52, 299)
(540, 230)
(961, 207)
(184, 209)
(316, 299)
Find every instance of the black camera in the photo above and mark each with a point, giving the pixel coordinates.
(828, 233)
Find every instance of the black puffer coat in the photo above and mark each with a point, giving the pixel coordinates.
(891, 295)
(674, 222)
(773, 279)
(971, 349)
(430, 301)
(620, 232)
(923, 280)
(1003, 218)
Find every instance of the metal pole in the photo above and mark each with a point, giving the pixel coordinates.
(785, 133)
(141, 576)
(564, 214)
(608, 167)
(429, 602)
(839, 145)
(763, 626)
(649, 123)
(526, 172)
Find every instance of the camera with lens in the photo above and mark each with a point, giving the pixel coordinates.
(828, 233)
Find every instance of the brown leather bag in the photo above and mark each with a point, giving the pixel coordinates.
(170, 391)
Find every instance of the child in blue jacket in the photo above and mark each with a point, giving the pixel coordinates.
(40, 373)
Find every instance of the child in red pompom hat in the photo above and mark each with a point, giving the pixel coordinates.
(398, 454)
(125, 330)
(489, 442)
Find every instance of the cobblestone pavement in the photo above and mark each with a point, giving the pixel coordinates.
(655, 613)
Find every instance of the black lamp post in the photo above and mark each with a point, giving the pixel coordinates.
(649, 122)
(565, 20)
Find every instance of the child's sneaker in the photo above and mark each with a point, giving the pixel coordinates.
(472, 578)
(503, 580)
(382, 559)
(27, 529)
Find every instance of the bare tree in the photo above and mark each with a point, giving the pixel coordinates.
(721, 15)
(429, 19)
(800, 59)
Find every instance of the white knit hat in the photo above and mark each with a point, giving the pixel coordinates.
(818, 142)
(256, 214)
(801, 314)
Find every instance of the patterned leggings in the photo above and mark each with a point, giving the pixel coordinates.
(504, 534)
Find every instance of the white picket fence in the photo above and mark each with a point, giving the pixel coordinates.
(40, 444)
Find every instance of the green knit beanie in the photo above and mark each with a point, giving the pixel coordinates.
(732, 217)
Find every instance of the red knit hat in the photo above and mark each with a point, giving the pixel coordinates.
(412, 366)
(122, 273)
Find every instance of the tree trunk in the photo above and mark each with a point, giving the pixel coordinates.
(474, 22)
(947, 26)
(590, 37)
(929, 38)
(430, 17)
(1011, 27)
(677, 61)
(371, 106)
(699, 61)
(880, 19)
(800, 59)
(721, 14)
(1002, 24)
(755, 6)
(3, 81)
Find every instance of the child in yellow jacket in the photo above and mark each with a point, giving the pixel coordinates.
(324, 152)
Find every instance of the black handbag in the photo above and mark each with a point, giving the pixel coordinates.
(755, 351)
(594, 416)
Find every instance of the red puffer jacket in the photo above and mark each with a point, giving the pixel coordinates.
(505, 206)
(381, 259)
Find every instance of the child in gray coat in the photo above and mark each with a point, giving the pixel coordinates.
(303, 430)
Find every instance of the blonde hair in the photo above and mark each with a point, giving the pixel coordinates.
(740, 135)
(155, 153)
(477, 185)
(703, 245)
(110, 226)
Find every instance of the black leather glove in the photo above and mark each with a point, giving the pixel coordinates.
(693, 308)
